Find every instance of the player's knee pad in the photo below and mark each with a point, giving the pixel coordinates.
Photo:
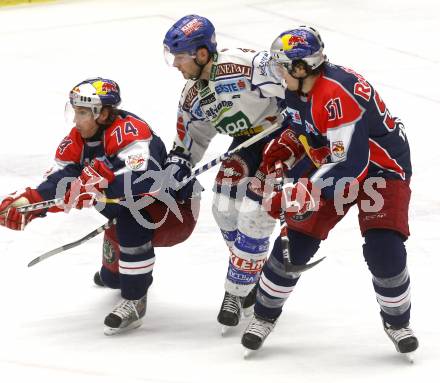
(253, 220)
(225, 212)
(384, 251)
(302, 247)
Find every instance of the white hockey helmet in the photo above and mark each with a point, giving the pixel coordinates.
(94, 94)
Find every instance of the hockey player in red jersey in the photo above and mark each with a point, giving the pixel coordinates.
(111, 153)
(361, 156)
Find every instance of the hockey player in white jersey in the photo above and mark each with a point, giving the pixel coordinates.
(228, 92)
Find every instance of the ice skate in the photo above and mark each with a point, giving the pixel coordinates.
(230, 312)
(256, 333)
(126, 315)
(403, 339)
(97, 279)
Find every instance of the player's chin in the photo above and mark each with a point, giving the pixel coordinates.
(83, 134)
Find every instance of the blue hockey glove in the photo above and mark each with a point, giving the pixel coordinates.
(182, 168)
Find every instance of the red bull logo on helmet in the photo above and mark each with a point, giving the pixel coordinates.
(104, 87)
(290, 41)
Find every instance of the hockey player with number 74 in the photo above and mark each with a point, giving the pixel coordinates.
(108, 154)
(359, 151)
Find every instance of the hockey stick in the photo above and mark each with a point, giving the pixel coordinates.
(289, 267)
(59, 201)
(229, 153)
(80, 241)
(100, 229)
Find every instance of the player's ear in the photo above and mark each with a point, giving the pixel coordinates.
(104, 116)
(300, 66)
(202, 55)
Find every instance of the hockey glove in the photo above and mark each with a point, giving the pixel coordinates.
(286, 148)
(10, 217)
(180, 167)
(294, 199)
(89, 186)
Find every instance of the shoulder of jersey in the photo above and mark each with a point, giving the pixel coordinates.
(126, 129)
(237, 55)
(344, 76)
(334, 104)
(70, 148)
(233, 63)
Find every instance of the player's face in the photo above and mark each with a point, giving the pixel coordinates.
(85, 122)
(186, 64)
(291, 82)
(291, 78)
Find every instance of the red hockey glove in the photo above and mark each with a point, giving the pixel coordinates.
(286, 148)
(10, 217)
(294, 199)
(88, 186)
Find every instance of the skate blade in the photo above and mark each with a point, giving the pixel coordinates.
(409, 356)
(114, 331)
(225, 329)
(247, 353)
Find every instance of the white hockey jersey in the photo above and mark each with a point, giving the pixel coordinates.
(240, 98)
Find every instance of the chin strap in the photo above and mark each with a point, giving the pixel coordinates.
(201, 67)
(300, 86)
(301, 82)
(301, 79)
(195, 78)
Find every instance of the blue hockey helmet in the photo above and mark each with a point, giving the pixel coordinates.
(95, 93)
(190, 33)
(302, 43)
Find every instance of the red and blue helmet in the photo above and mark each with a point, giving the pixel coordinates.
(95, 93)
(190, 33)
(302, 43)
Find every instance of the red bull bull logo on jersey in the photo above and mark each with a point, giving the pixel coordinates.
(338, 149)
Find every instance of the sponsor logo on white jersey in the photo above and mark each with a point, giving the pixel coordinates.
(228, 69)
(230, 86)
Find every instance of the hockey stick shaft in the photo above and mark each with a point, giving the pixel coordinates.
(289, 267)
(229, 153)
(283, 234)
(80, 241)
(60, 201)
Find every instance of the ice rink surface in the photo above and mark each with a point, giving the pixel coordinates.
(52, 315)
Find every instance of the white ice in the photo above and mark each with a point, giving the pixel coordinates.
(51, 315)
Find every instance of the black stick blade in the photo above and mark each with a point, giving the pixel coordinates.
(298, 269)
